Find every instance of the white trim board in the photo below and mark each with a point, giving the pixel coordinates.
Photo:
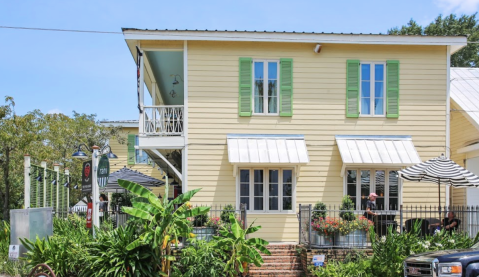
(456, 42)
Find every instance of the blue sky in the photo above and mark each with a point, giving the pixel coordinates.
(95, 73)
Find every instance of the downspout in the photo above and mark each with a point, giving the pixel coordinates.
(448, 116)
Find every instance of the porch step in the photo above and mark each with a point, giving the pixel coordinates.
(275, 273)
(283, 261)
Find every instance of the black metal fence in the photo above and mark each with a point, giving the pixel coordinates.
(333, 227)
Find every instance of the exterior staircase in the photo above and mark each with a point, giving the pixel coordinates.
(283, 261)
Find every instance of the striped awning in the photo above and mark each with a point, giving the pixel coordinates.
(440, 170)
(267, 149)
(377, 151)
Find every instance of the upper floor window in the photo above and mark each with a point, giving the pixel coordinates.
(372, 86)
(266, 190)
(384, 182)
(265, 87)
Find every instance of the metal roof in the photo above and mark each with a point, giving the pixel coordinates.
(287, 32)
(267, 149)
(385, 151)
(464, 88)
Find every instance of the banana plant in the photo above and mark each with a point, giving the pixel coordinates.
(164, 224)
(243, 251)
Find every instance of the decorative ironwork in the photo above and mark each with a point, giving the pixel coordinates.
(42, 270)
(163, 120)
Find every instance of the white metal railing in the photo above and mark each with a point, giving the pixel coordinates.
(162, 120)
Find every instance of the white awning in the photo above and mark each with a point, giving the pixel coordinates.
(377, 151)
(267, 150)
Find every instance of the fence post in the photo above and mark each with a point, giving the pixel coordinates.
(309, 226)
(300, 223)
(400, 218)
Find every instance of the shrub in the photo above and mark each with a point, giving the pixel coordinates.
(200, 259)
(319, 211)
(4, 238)
(12, 268)
(109, 255)
(347, 205)
(226, 212)
(214, 222)
(200, 220)
(326, 226)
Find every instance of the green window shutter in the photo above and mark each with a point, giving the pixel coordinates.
(352, 88)
(286, 90)
(131, 148)
(392, 89)
(245, 86)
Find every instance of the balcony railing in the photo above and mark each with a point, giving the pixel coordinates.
(162, 120)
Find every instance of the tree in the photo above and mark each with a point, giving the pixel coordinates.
(51, 137)
(449, 26)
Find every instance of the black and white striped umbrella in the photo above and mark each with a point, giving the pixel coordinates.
(440, 170)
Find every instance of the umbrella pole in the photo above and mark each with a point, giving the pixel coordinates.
(439, 187)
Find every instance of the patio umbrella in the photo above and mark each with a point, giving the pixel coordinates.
(130, 175)
(440, 170)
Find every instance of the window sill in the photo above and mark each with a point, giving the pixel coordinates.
(264, 114)
(378, 116)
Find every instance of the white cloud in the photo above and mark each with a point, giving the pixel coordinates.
(53, 111)
(458, 6)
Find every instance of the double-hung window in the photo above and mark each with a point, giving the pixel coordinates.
(372, 89)
(266, 190)
(384, 182)
(265, 87)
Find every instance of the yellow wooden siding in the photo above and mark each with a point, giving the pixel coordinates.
(319, 114)
(121, 150)
(462, 132)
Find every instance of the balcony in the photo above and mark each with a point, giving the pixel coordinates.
(163, 121)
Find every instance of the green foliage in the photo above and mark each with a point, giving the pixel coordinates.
(164, 224)
(242, 251)
(320, 211)
(109, 256)
(4, 238)
(361, 268)
(201, 259)
(347, 205)
(12, 268)
(200, 220)
(449, 26)
(121, 199)
(226, 212)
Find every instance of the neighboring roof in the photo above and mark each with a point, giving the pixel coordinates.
(267, 149)
(387, 151)
(120, 123)
(456, 42)
(464, 88)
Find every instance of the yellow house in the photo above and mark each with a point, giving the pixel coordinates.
(274, 119)
(465, 129)
(132, 158)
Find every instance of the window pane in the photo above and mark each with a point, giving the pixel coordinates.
(258, 203)
(273, 190)
(365, 89)
(365, 72)
(244, 189)
(273, 176)
(380, 181)
(393, 204)
(258, 176)
(365, 105)
(365, 185)
(273, 204)
(287, 176)
(351, 183)
(258, 189)
(258, 87)
(272, 70)
(380, 204)
(244, 175)
(287, 190)
(379, 89)
(245, 200)
(393, 184)
(379, 72)
(379, 106)
(287, 203)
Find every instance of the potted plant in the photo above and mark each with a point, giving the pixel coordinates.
(347, 208)
(353, 233)
(325, 228)
(201, 228)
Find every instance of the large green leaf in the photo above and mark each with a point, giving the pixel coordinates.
(136, 189)
(137, 213)
(184, 197)
(252, 229)
(257, 241)
(195, 211)
(146, 207)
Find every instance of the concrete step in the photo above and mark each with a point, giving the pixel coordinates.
(281, 246)
(277, 266)
(273, 273)
(281, 252)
